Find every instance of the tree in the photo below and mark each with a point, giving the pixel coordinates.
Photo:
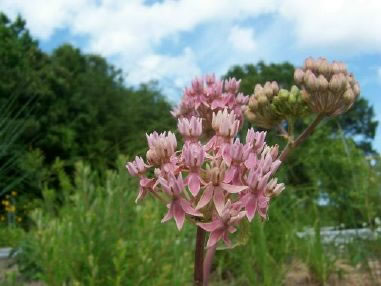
(80, 108)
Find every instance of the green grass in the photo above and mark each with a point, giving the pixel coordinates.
(99, 236)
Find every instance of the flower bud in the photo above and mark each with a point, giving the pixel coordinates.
(349, 96)
(309, 63)
(322, 82)
(262, 100)
(275, 87)
(312, 82)
(298, 75)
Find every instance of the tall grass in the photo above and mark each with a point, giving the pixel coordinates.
(99, 236)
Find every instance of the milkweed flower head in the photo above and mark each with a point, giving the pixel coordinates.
(214, 180)
(208, 95)
(327, 87)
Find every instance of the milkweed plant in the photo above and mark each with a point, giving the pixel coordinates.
(215, 181)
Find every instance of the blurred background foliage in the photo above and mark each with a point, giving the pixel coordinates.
(68, 123)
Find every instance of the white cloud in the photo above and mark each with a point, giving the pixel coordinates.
(242, 39)
(348, 25)
(174, 69)
(131, 31)
(44, 17)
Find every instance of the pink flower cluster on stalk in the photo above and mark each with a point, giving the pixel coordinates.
(207, 95)
(215, 184)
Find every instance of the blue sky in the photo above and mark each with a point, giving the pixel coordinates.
(172, 41)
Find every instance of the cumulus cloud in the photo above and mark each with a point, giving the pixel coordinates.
(242, 39)
(348, 25)
(131, 31)
(44, 17)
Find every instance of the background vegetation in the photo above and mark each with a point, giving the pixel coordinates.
(68, 123)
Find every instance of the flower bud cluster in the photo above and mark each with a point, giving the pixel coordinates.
(327, 88)
(262, 111)
(208, 95)
(214, 184)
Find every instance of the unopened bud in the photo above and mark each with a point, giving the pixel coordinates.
(322, 82)
(283, 94)
(275, 87)
(348, 96)
(250, 115)
(262, 100)
(298, 76)
(309, 63)
(324, 67)
(312, 82)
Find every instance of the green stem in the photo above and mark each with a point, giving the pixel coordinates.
(302, 137)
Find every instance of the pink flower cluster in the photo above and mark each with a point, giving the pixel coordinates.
(215, 184)
(207, 95)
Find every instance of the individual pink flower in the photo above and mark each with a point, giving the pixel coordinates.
(236, 155)
(256, 139)
(273, 188)
(215, 189)
(193, 156)
(255, 200)
(232, 85)
(137, 167)
(191, 129)
(162, 148)
(145, 185)
(226, 127)
(178, 206)
(222, 225)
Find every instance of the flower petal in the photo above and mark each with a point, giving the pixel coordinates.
(194, 183)
(178, 214)
(251, 208)
(214, 237)
(229, 174)
(206, 197)
(233, 189)
(186, 206)
(169, 214)
(211, 226)
(219, 200)
(227, 240)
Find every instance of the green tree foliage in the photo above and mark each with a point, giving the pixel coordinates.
(79, 107)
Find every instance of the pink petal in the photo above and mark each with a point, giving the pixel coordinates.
(141, 195)
(229, 174)
(251, 161)
(226, 155)
(211, 226)
(206, 197)
(232, 188)
(178, 214)
(194, 183)
(227, 240)
(186, 206)
(219, 200)
(214, 237)
(251, 208)
(169, 214)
